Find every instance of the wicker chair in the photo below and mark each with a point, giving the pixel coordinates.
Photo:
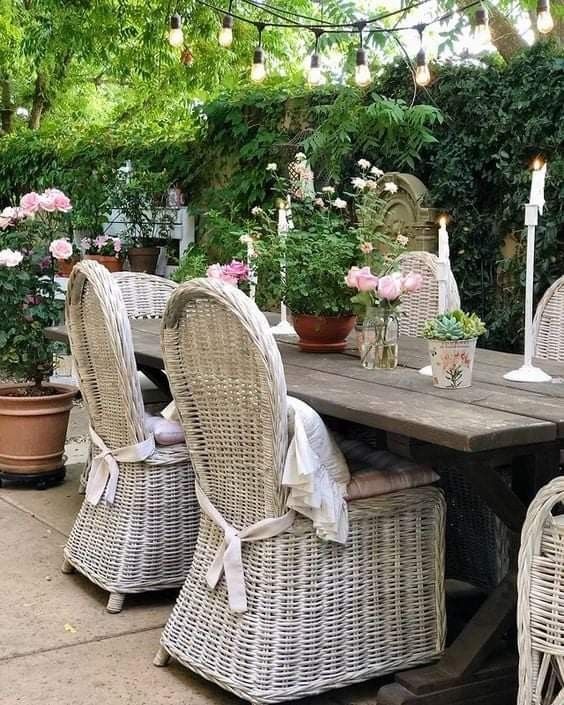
(320, 615)
(145, 539)
(144, 295)
(425, 304)
(548, 326)
(540, 609)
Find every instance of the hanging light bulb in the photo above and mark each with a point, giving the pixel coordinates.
(422, 73)
(314, 77)
(482, 26)
(176, 35)
(226, 31)
(545, 23)
(362, 76)
(258, 70)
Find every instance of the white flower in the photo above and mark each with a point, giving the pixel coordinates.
(363, 163)
(391, 187)
(358, 183)
(376, 172)
(402, 239)
(339, 203)
(318, 202)
(300, 157)
(372, 185)
(246, 239)
(10, 258)
(328, 189)
(273, 166)
(256, 210)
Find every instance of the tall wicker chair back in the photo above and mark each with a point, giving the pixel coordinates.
(140, 535)
(548, 326)
(540, 609)
(424, 304)
(144, 295)
(268, 610)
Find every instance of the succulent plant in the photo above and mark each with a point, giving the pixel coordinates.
(454, 325)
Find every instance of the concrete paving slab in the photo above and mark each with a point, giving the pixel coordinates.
(116, 671)
(44, 609)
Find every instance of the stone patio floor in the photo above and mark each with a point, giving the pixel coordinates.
(58, 645)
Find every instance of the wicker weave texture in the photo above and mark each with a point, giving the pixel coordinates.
(144, 295)
(320, 615)
(540, 611)
(423, 305)
(548, 326)
(145, 539)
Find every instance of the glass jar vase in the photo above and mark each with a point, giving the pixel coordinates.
(379, 341)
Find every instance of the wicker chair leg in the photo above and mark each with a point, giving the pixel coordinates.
(162, 657)
(67, 567)
(115, 602)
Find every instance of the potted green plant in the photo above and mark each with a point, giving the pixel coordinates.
(140, 199)
(33, 412)
(452, 345)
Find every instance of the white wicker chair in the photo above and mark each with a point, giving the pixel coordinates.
(540, 610)
(424, 304)
(144, 540)
(144, 295)
(320, 615)
(548, 326)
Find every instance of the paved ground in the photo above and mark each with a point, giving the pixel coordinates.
(58, 645)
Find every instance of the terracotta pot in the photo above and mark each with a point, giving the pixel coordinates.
(322, 333)
(452, 362)
(33, 430)
(113, 264)
(143, 259)
(64, 266)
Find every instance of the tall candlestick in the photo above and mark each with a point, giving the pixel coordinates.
(537, 184)
(285, 223)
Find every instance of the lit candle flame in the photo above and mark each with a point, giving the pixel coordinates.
(538, 164)
(443, 221)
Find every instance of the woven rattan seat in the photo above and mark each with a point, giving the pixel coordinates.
(320, 615)
(548, 326)
(145, 539)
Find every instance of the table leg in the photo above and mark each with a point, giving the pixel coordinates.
(473, 670)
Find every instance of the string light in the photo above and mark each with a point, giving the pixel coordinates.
(545, 23)
(314, 77)
(362, 75)
(422, 73)
(258, 70)
(176, 35)
(226, 31)
(482, 26)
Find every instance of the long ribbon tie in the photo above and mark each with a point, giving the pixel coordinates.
(228, 558)
(104, 470)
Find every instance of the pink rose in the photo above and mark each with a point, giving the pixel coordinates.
(389, 287)
(237, 270)
(47, 203)
(366, 247)
(350, 279)
(365, 280)
(412, 282)
(61, 248)
(30, 203)
(59, 199)
(214, 271)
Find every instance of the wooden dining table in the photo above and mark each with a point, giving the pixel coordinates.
(495, 424)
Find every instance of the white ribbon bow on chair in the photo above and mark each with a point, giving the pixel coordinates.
(228, 558)
(104, 471)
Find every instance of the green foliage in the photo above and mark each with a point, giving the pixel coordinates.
(455, 325)
(193, 263)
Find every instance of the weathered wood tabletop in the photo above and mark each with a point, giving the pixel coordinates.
(495, 423)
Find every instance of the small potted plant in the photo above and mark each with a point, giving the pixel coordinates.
(140, 199)
(452, 345)
(106, 250)
(33, 412)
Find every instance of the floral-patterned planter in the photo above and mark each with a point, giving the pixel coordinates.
(452, 362)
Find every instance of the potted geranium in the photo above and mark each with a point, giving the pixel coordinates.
(33, 412)
(140, 199)
(452, 345)
(105, 249)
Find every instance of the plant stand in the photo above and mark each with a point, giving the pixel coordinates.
(38, 481)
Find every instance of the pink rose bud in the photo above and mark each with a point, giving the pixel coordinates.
(412, 282)
(389, 288)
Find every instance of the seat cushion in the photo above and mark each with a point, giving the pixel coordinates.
(166, 433)
(388, 473)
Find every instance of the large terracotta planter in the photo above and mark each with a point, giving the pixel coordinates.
(64, 266)
(113, 264)
(143, 259)
(322, 333)
(33, 430)
(452, 362)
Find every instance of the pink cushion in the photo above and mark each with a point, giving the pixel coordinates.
(388, 473)
(167, 433)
